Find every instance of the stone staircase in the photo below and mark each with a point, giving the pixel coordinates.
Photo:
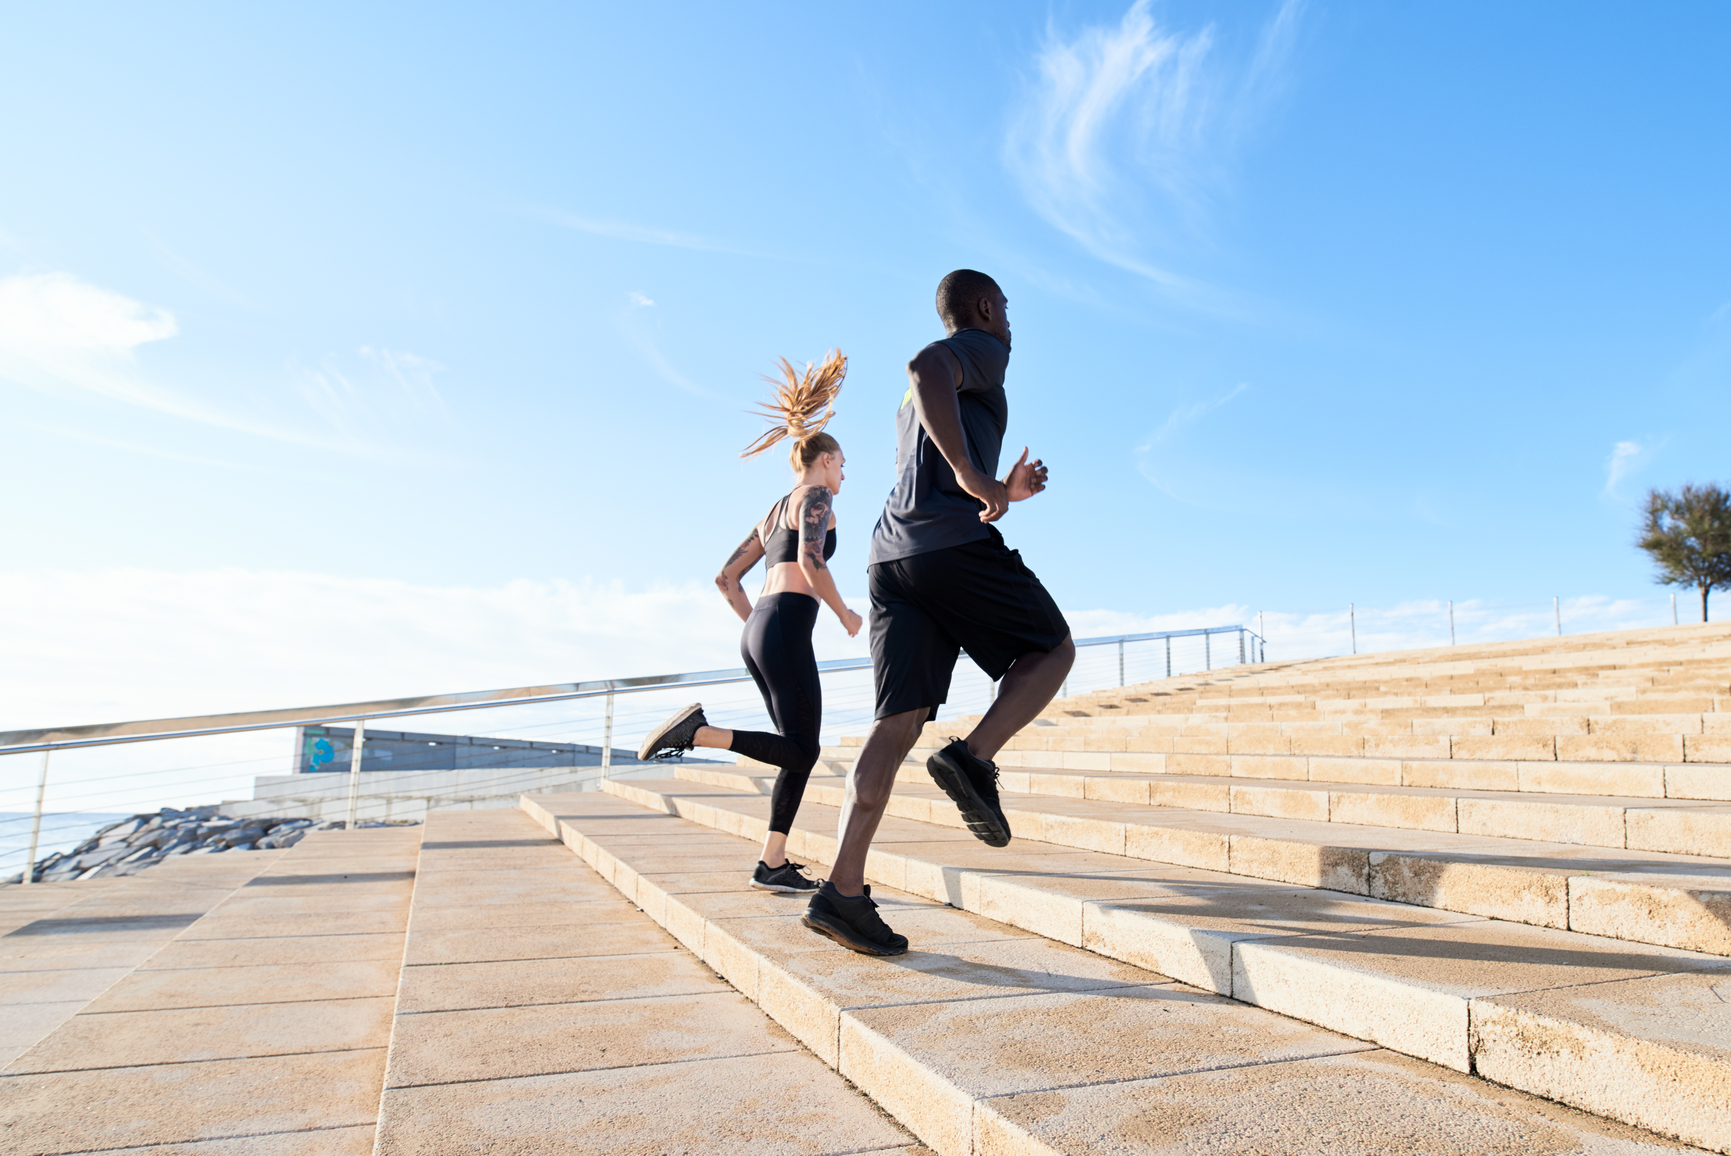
(1162, 961)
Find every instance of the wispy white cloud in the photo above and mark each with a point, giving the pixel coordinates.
(414, 376)
(1626, 459)
(129, 446)
(60, 335)
(1188, 415)
(637, 328)
(1126, 133)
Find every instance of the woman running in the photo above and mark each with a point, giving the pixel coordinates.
(795, 540)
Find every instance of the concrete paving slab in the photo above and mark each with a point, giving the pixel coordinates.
(610, 909)
(1410, 987)
(161, 989)
(1657, 1050)
(24, 1025)
(339, 1141)
(219, 926)
(93, 1110)
(285, 949)
(563, 940)
(926, 1066)
(464, 986)
(1364, 1104)
(51, 986)
(496, 1043)
(785, 1105)
(186, 1035)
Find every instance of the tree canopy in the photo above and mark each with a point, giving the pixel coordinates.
(1688, 534)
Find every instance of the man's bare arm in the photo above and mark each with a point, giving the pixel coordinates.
(936, 375)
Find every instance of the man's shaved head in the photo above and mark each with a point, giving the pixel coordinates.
(959, 295)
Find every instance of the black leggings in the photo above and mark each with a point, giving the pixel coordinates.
(777, 650)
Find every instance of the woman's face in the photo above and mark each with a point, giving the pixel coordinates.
(832, 470)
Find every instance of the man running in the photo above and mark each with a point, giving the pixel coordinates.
(941, 581)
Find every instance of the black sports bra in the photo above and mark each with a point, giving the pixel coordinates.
(782, 545)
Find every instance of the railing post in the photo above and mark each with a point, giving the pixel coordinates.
(1451, 621)
(355, 750)
(1673, 608)
(1168, 656)
(1120, 662)
(1557, 609)
(1207, 651)
(1352, 619)
(1241, 646)
(29, 875)
(607, 739)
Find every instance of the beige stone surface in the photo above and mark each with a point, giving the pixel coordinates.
(338, 1141)
(790, 1105)
(1495, 890)
(1703, 831)
(1408, 988)
(1413, 812)
(1598, 826)
(99, 1109)
(323, 950)
(1307, 864)
(1694, 915)
(161, 988)
(1654, 1052)
(566, 938)
(494, 1043)
(1364, 1104)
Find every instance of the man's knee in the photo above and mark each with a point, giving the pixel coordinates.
(1065, 652)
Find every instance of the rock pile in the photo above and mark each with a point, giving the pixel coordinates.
(136, 843)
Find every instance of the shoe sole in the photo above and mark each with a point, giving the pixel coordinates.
(976, 812)
(844, 935)
(647, 750)
(777, 887)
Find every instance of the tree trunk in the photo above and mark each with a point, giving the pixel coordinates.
(1704, 589)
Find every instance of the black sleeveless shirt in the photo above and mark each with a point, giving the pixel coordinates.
(928, 510)
(782, 545)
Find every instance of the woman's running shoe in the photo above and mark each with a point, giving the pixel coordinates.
(972, 784)
(852, 921)
(789, 877)
(675, 736)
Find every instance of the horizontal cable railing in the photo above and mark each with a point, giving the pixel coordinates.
(847, 703)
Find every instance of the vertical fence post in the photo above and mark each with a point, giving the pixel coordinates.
(1120, 662)
(1168, 656)
(29, 875)
(1451, 621)
(1673, 608)
(1352, 620)
(1557, 609)
(1241, 646)
(355, 750)
(1207, 651)
(607, 739)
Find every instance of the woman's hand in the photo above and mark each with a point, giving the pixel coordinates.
(850, 621)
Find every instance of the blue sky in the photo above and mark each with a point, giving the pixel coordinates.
(1313, 303)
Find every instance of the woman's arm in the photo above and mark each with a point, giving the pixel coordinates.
(728, 581)
(814, 518)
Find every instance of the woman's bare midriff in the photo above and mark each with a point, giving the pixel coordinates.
(786, 578)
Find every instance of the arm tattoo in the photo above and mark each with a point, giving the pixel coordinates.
(722, 580)
(814, 524)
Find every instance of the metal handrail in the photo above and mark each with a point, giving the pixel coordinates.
(47, 740)
(22, 742)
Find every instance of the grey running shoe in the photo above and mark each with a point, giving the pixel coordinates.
(972, 784)
(852, 921)
(789, 877)
(675, 736)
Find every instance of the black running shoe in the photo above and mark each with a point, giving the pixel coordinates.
(852, 921)
(972, 784)
(789, 877)
(675, 736)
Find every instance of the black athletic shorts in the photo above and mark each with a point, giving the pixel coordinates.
(978, 597)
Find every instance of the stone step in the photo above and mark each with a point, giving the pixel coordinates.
(1695, 781)
(1666, 900)
(1668, 826)
(242, 1002)
(540, 1012)
(1294, 729)
(985, 1038)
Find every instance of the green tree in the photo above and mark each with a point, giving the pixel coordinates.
(1688, 533)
